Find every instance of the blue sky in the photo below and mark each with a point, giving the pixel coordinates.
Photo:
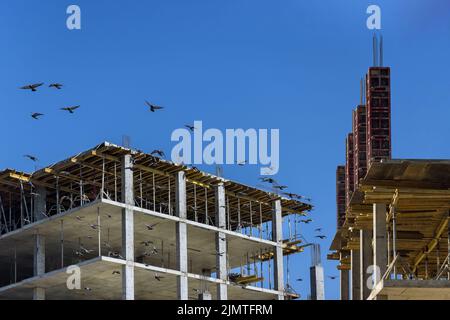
(293, 65)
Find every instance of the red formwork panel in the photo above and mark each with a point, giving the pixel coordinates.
(349, 169)
(359, 143)
(378, 101)
(340, 195)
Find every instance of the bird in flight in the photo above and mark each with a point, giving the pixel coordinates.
(116, 272)
(146, 243)
(268, 180)
(32, 158)
(88, 289)
(94, 226)
(292, 195)
(306, 221)
(318, 230)
(87, 251)
(32, 87)
(36, 115)
(332, 277)
(158, 152)
(242, 163)
(151, 227)
(321, 237)
(153, 107)
(299, 279)
(70, 109)
(280, 187)
(158, 277)
(56, 86)
(191, 128)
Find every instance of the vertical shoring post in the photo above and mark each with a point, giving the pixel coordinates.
(394, 239)
(115, 181)
(251, 219)
(270, 270)
(195, 203)
(99, 232)
(21, 205)
(58, 210)
(140, 187)
(206, 206)
(15, 262)
(10, 211)
(169, 202)
(290, 228)
(228, 214)
(261, 271)
(81, 186)
(260, 221)
(239, 215)
(154, 191)
(62, 243)
(103, 178)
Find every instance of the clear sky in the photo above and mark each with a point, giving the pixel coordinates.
(293, 65)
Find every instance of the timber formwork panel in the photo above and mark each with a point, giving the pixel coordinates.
(360, 143)
(340, 195)
(378, 84)
(349, 169)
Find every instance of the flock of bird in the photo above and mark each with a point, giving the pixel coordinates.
(58, 86)
(158, 153)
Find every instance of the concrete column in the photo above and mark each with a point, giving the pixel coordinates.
(221, 243)
(39, 264)
(277, 236)
(344, 281)
(356, 286)
(379, 241)
(204, 296)
(127, 228)
(39, 213)
(365, 258)
(181, 236)
(344, 284)
(40, 204)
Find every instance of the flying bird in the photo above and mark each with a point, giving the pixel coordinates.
(318, 230)
(268, 180)
(36, 115)
(292, 195)
(153, 107)
(70, 109)
(56, 86)
(306, 221)
(280, 187)
(94, 226)
(299, 279)
(321, 237)
(32, 87)
(87, 251)
(151, 227)
(116, 272)
(158, 152)
(88, 289)
(191, 128)
(31, 157)
(158, 277)
(332, 277)
(242, 163)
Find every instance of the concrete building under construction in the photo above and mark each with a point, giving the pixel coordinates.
(139, 227)
(392, 239)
